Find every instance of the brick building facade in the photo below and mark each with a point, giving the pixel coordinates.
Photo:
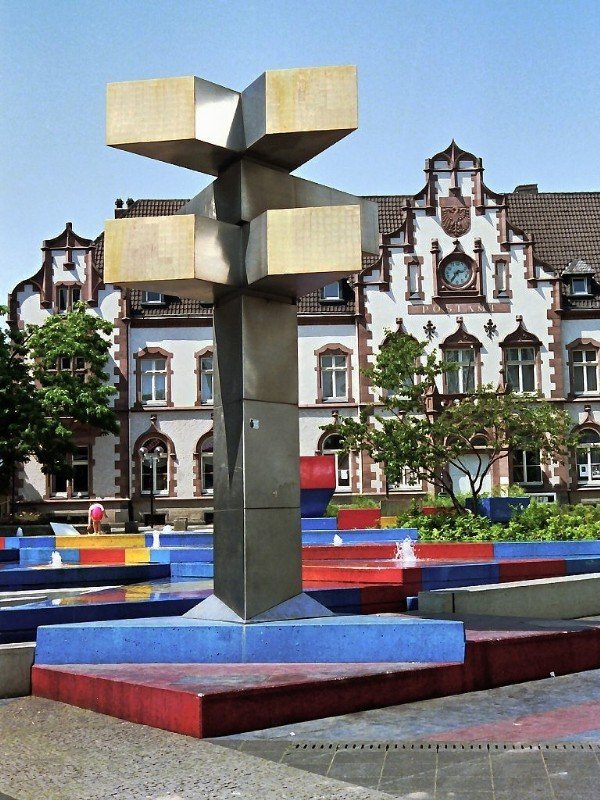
(507, 285)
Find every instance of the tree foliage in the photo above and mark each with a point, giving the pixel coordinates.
(52, 376)
(415, 428)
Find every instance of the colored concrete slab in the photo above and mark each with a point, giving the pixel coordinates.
(349, 518)
(19, 577)
(192, 569)
(102, 540)
(440, 576)
(566, 597)
(530, 569)
(181, 539)
(240, 697)
(204, 700)
(102, 555)
(9, 555)
(327, 640)
(366, 536)
(589, 547)
(319, 523)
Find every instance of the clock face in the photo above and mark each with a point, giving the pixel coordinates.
(457, 273)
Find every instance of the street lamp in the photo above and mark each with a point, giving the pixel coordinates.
(151, 458)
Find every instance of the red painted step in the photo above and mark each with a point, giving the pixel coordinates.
(219, 699)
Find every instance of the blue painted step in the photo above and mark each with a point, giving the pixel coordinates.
(174, 640)
(319, 523)
(360, 536)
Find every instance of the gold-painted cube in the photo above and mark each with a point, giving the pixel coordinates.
(292, 115)
(185, 121)
(182, 255)
(294, 251)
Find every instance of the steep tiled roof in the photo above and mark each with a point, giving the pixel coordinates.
(565, 227)
(391, 215)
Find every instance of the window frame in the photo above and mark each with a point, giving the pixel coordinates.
(153, 354)
(70, 492)
(334, 350)
(339, 298)
(160, 299)
(519, 364)
(460, 371)
(200, 355)
(584, 366)
(70, 290)
(340, 488)
(592, 466)
(525, 467)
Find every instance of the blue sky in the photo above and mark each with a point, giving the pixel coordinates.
(515, 82)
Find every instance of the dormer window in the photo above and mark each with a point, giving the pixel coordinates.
(153, 299)
(332, 293)
(578, 277)
(580, 285)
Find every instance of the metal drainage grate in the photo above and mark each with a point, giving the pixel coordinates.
(440, 746)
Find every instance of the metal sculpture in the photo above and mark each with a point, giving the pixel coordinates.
(251, 243)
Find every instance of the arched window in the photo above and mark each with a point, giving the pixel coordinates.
(588, 456)
(331, 446)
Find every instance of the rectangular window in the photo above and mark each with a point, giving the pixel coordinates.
(154, 380)
(527, 467)
(153, 299)
(66, 297)
(78, 485)
(413, 279)
(81, 478)
(520, 368)
(63, 299)
(501, 278)
(585, 371)
(408, 481)
(580, 285)
(333, 377)
(206, 379)
(462, 379)
(331, 293)
(155, 474)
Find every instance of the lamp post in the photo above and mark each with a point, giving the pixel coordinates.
(152, 458)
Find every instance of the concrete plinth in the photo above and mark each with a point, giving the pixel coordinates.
(173, 640)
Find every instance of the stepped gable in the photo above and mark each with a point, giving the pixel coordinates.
(565, 227)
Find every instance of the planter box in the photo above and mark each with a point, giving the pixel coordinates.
(499, 509)
(347, 519)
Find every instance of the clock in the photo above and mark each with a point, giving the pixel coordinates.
(457, 273)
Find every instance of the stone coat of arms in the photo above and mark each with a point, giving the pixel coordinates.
(455, 215)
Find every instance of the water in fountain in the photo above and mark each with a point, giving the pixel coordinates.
(56, 559)
(19, 531)
(155, 540)
(405, 552)
(337, 540)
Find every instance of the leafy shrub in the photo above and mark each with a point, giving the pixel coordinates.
(357, 502)
(537, 522)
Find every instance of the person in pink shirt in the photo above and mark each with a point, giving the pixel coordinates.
(95, 516)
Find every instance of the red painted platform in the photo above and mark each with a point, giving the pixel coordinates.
(218, 699)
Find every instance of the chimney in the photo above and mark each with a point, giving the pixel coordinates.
(526, 188)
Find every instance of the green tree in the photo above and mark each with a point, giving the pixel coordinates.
(19, 406)
(416, 428)
(52, 376)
